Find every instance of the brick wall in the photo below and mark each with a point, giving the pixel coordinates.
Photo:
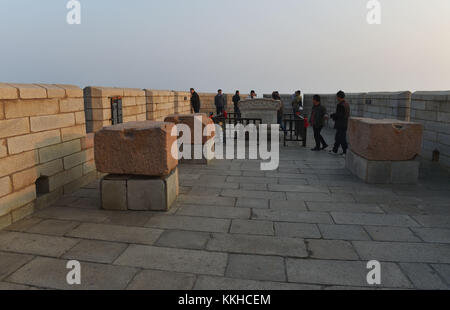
(432, 109)
(44, 149)
(97, 102)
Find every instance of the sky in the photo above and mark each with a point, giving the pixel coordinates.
(313, 45)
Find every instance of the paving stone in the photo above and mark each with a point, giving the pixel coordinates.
(252, 187)
(297, 230)
(298, 188)
(96, 251)
(253, 194)
(263, 245)
(437, 235)
(252, 180)
(183, 239)
(292, 216)
(73, 214)
(189, 223)
(321, 197)
(444, 271)
(205, 191)
(331, 249)
(343, 232)
(255, 203)
(162, 281)
(4, 286)
(383, 199)
(35, 244)
(288, 205)
(128, 218)
(433, 220)
(252, 227)
(11, 262)
(403, 252)
(423, 276)
(179, 260)
(373, 219)
(382, 233)
(347, 273)
(52, 273)
(116, 233)
(215, 212)
(23, 225)
(254, 267)
(198, 200)
(343, 207)
(227, 284)
(293, 181)
(401, 208)
(53, 227)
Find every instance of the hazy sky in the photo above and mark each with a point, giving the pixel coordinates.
(313, 45)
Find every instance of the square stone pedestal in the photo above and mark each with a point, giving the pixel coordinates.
(139, 193)
(383, 172)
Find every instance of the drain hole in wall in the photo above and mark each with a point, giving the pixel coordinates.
(435, 156)
(42, 186)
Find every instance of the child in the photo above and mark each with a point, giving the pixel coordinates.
(318, 115)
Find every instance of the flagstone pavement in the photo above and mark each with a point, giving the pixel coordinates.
(308, 225)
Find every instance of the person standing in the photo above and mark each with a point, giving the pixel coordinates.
(297, 102)
(253, 95)
(219, 102)
(236, 99)
(280, 112)
(341, 123)
(195, 101)
(318, 116)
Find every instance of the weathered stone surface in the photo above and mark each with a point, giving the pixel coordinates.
(264, 109)
(385, 139)
(162, 280)
(193, 121)
(137, 148)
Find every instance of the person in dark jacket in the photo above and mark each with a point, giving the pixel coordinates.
(341, 123)
(318, 116)
(280, 112)
(195, 101)
(220, 102)
(236, 99)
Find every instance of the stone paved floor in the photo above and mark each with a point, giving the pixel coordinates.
(308, 225)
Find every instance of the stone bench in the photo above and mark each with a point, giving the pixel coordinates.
(142, 173)
(195, 122)
(384, 151)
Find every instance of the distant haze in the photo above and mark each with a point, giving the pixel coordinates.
(312, 45)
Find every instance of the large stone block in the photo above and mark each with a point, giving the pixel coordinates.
(139, 193)
(136, 148)
(194, 122)
(264, 109)
(385, 139)
(382, 171)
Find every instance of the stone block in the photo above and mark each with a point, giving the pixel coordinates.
(3, 148)
(5, 186)
(8, 92)
(50, 168)
(383, 172)
(87, 142)
(71, 133)
(136, 148)
(36, 107)
(195, 122)
(19, 162)
(93, 91)
(41, 123)
(53, 152)
(14, 127)
(385, 139)
(154, 194)
(71, 90)
(30, 91)
(114, 192)
(24, 178)
(53, 91)
(30, 142)
(22, 212)
(17, 199)
(80, 118)
(71, 105)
